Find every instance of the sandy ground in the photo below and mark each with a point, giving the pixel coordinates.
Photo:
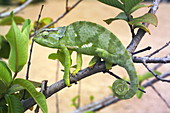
(97, 85)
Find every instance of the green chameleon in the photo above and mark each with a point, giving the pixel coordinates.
(90, 39)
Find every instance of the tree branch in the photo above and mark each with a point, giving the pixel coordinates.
(99, 67)
(151, 60)
(16, 10)
(95, 106)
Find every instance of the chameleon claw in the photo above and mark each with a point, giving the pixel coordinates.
(74, 73)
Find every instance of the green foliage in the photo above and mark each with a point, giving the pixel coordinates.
(139, 94)
(14, 104)
(38, 97)
(5, 73)
(128, 7)
(138, 6)
(18, 41)
(43, 22)
(142, 78)
(141, 26)
(120, 16)
(147, 18)
(91, 98)
(74, 101)
(114, 3)
(11, 89)
(7, 20)
(4, 48)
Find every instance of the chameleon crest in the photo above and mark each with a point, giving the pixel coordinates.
(90, 39)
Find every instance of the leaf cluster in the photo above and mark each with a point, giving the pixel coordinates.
(11, 88)
(128, 7)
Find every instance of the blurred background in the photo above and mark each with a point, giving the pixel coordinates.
(97, 85)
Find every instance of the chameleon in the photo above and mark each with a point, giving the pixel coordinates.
(91, 39)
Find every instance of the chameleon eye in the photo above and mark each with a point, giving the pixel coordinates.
(45, 34)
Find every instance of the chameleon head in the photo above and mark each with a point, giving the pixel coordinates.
(50, 37)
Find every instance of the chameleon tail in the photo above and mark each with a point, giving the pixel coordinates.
(120, 88)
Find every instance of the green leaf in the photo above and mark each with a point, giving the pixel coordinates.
(141, 26)
(4, 47)
(5, 73)
(74, 103)
(8, 21)
(43, 22)
(120, 16)
(36, 84)
(129, 4)
(147, 75)
(37, 96)
(15, 88)
(146, 18)
(139, 94)
(91, 98)
(138, 6)
(3, 106)
(14, 104)
(3, 87)
(114, 3)
(89, 112)
(19, 46)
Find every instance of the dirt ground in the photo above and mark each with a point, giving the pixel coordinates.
(97, 85)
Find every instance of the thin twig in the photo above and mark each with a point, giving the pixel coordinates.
(29, 60)
(60, 17)
(142, 50)
(158, 50)
(79, 94)
(57, 96)
(162, 98)
(158, 77)
(4, 10)
(16, 10)
(31, 49)
(64, 14)
(67, 6)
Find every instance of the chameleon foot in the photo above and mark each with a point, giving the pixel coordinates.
(74, 73)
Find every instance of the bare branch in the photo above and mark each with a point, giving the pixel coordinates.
(157, 92)
(99, 67)
(64, 14)
(151, 60)
(153, 73)
(16, 10)
(95, 106)
(158, 50)
(142, 50)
